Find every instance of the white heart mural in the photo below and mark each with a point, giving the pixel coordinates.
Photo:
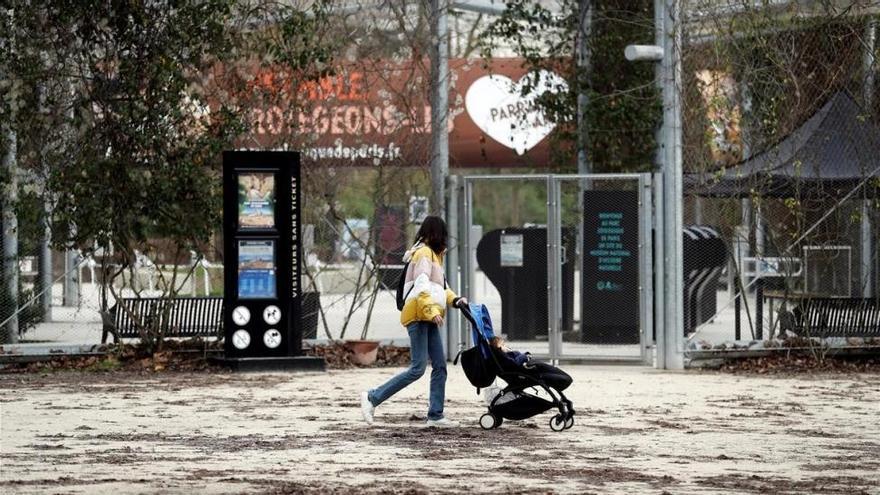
(495, 104)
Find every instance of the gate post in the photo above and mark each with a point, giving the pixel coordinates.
(554, 268)
(671, 144)
(659, 272)
(646, 288)
(465, 253)
(453, 321)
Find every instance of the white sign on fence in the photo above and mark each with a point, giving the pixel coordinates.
(512, 250)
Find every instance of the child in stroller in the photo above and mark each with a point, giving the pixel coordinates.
(551, 375)
(528, 381)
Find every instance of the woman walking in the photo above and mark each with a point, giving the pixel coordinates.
(426, 298)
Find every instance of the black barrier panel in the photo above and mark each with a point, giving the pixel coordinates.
(610, 282)
(261, 244)
(515, 261)
(705, 256)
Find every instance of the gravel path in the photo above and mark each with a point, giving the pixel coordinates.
(637, 431)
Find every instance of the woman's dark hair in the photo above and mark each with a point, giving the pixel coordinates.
(433, 233)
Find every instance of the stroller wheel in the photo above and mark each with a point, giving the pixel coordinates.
(569, 422)
(557, 423)
(489, 421)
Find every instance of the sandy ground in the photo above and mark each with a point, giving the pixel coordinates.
(637, 431)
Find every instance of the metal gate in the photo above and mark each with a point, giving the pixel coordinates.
(563, 262)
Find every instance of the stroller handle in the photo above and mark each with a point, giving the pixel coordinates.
(466, 311)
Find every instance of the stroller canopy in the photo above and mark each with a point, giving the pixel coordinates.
(481, 327)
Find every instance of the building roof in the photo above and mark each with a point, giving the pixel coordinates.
(830, 154)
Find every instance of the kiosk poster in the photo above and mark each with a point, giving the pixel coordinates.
(256, 269)
(256, 200)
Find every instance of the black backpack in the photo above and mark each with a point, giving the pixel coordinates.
(480, 371)
(401, 297)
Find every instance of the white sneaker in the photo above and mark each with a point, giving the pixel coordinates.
(441, 423)
(367, 407)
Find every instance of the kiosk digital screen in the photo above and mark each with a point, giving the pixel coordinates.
(256, 200)
(256, 269)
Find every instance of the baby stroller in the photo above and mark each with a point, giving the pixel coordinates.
(483, 362)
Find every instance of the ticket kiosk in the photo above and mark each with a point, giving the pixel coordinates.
(262, 255)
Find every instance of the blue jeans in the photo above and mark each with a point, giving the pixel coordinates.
(425, 343)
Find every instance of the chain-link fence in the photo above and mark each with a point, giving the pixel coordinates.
(357, 223)
(781, 146)
(605, 232)
(62, 300)
(20, 308)
(561, 253)
(35, 303)
(507, 264)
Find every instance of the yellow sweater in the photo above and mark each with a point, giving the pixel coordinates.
(424, 286)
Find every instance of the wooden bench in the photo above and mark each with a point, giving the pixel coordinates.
(187, 317)
(833, 317)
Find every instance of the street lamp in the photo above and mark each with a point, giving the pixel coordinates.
(639, 53)
(490, 7)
